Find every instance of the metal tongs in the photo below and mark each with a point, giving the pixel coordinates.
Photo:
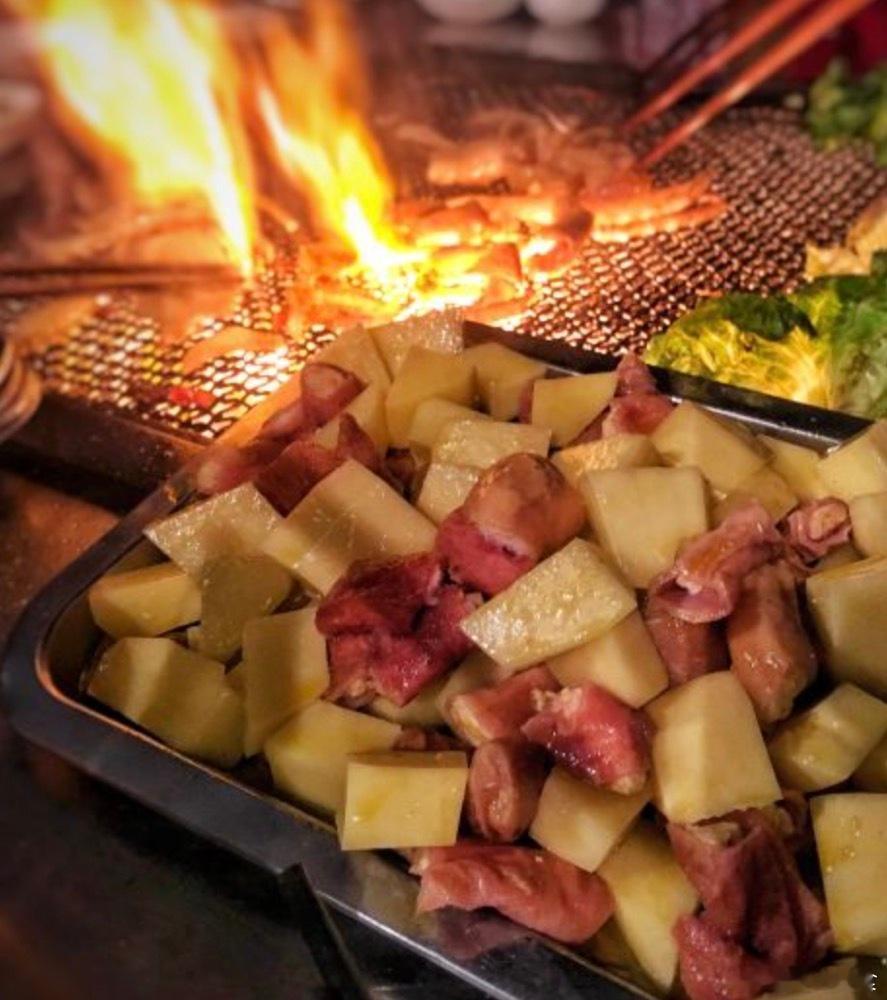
(826, 16)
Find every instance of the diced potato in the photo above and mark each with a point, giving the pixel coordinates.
(368, 410)
(355, 350)
(871, 775)
(502, 375)
(566, 406)
(723, 451)
(236, 589)
(859, 466)
(145, 601)
(624, 661)
(824, 745)
(868, 514)
(425, 375)
(192, 638)
(480, 445)
(230, 524)
(851, 840)
(708, 753)
(285, 669)
(568, 599)
(438, 331)
(179, 696)
(403, 799)
(619, 451)
(764, 485)
(351, 514)
(308, 756)
(650, 892)
(843, 555)
(477, 670)
(433, 415)
(643, 516)
(236, 678)
(798, 466)
(444, 488)
(422, 711)
(848, 604)
(581, 823)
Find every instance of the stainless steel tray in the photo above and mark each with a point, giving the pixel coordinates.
(55, 637)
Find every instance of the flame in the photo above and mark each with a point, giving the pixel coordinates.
(311, 105)
(155, 86)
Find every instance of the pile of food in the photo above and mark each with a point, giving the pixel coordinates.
(841, 108)
(610, 665)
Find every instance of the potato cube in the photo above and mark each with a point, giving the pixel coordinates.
(643, 516)
(851, 840)
(440, 332)
(232, 523)
(480, 445)
(723, 451)
(433, 415)
(421, 711)
(444, 488)
(619, 451)
(403, 799)
(502, 375)
(477, 670)
(144, 601)
(351, 514)
(843, 555)
(798, 466)
(235, 677)
(624, 661)
(236, 589)
(568, 599)
(766, 486)
(847, 604)
(425, 375)
(650, 892)
(285, 669)
(581, 823)
(566, 406)
(179, 696)
(368, 410)
(824, 745)
(871, 775)
(859, 466)
(868, 515)
(355, 350)
(708, 753)
(308, 756)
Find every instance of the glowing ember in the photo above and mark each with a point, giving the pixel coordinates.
(151, 89)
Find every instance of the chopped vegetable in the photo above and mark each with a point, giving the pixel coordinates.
(842, 108)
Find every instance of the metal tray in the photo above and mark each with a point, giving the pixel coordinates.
(53, 641)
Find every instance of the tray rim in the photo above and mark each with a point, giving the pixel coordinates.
(267, 831)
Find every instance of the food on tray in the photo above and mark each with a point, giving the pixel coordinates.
(841, 108)
(821, 344)
(581, 653)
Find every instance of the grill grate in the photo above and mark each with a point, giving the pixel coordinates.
(782, 192)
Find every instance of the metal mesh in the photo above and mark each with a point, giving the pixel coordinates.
(782, 192)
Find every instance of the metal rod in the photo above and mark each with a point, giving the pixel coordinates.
(827, 17)
(770, 18)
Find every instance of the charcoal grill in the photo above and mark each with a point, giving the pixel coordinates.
(782, 191)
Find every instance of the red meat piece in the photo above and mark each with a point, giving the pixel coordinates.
(440, 631)
(688, 649)
(350, 658)
(531, 887)
(380, 595)
(325, 391)
(635, 414)
(504, 784)
(633, 377)
(365, 664)
(817, 527)
(705, 581)
(770, 650)
(715, 968)
(499, 711)
(475, 560)
(594, 736)
(223, 466)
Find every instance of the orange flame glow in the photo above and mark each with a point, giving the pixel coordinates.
(154, 85)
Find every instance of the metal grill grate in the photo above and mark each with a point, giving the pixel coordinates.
(782, 192)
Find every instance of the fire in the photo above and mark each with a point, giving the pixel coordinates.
(310, 104)
(155, 86)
